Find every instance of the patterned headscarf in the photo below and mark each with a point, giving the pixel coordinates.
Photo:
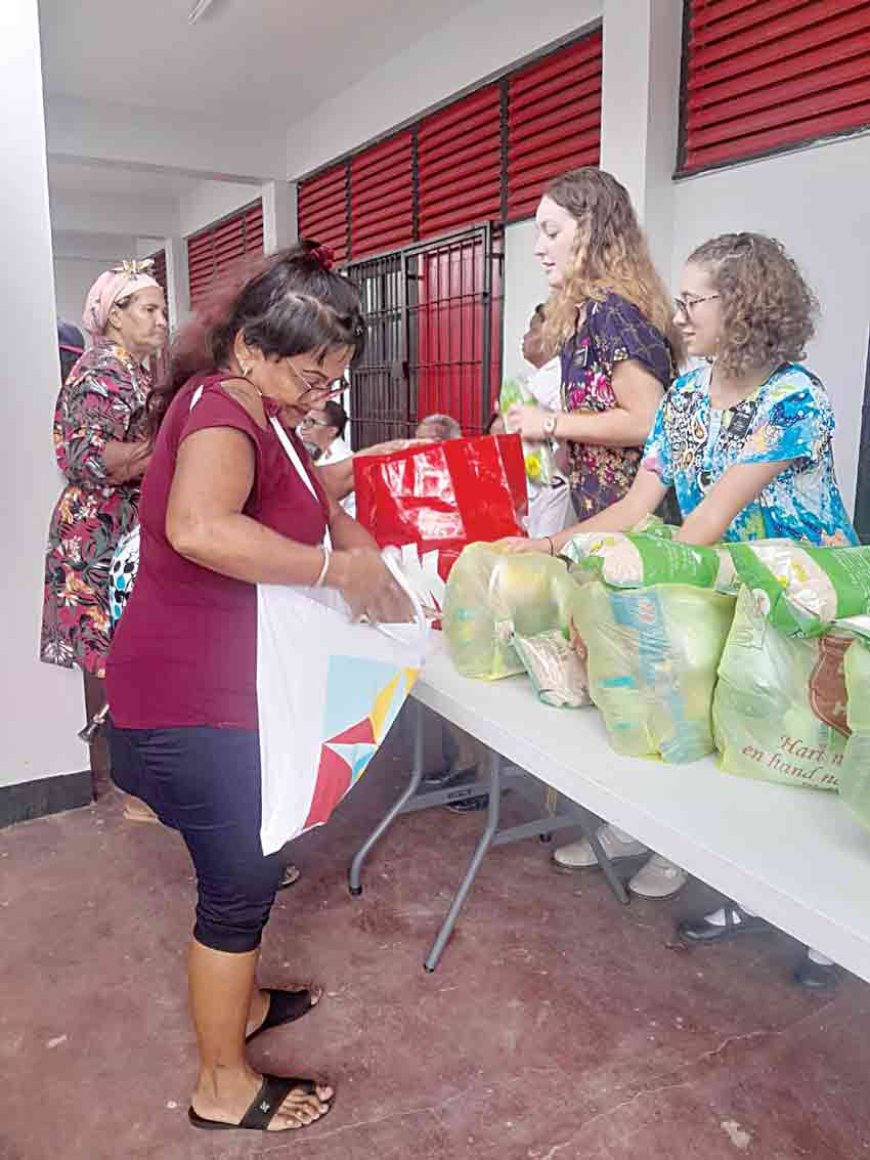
(111, 286)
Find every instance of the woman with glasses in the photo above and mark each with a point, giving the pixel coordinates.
(745, 439)
(609, 317)
(231, 501)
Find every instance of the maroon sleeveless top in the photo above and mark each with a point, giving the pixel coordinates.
(185, 649)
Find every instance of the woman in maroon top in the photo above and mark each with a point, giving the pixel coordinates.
(222, 510)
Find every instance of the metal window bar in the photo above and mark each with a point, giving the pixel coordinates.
(433, 311)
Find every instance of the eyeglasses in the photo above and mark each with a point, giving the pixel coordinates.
(329, 390)
(308, 422)
(685, 306)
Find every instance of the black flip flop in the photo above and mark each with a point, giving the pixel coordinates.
(284, 1007)
(700, 931)
(268, 1100)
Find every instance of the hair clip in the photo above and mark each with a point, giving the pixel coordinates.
(134, 267)
(324, 255)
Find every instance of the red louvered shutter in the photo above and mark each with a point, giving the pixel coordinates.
(554, 121)
(381, 197)
(459, 163)
(158, 270)
(215, 250)
(323, 209)
(767, 74)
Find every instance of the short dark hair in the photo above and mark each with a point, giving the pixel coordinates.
(335, 416)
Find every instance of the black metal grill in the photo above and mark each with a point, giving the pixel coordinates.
(434, 335)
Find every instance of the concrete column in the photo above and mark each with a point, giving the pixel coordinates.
(42, 706)
(640, 110)
(177, 282)
(279, 215)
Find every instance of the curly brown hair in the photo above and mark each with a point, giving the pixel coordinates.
(768, 311)
(610, 255)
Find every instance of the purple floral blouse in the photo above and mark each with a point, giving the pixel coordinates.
(612, 330)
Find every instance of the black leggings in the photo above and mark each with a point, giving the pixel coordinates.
(205, 783)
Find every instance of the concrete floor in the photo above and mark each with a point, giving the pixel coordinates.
(559, 1026)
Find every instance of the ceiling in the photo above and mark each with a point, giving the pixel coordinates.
(275, 60)
(77, 177)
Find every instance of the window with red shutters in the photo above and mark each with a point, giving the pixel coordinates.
(213, 251)
(158, 270)
(554, 121)
(382, 197)
(322, 209)
(459, 163)
(765, 75)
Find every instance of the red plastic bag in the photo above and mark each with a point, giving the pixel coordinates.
(442, 496)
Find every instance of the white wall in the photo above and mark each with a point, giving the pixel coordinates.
(816, 202)
(42, 706)
(524, 287)
(211, 200)
(483, 39)
(73, 277)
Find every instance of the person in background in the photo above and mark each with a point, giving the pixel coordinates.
(71, 347)
(323, 436)
(549, 504)
(225, 508)
(438, 429)
(610, 317)
(746, 440)
(102, 449)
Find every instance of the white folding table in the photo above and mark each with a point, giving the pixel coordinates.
(795, 856)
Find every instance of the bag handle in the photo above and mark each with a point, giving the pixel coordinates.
(293, 455)
(395, 570)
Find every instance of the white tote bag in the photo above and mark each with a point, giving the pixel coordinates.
(328, 691)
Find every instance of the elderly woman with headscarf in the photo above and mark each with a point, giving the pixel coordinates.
(102, 450)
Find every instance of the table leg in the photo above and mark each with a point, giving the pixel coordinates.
(355, 872)
(494, 762)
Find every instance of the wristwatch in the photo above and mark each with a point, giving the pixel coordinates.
(549, 425)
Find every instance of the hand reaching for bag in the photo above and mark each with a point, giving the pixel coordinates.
(516, 545)
(370, 588)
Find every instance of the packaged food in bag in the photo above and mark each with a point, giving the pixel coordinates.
(802, 589)
(652, 655)
(642, 559)
(556, 669)
(538, 457)
(855, 770)
(492, 595)
(779, 711)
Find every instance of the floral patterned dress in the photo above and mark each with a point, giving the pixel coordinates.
(102, 400)
(612, 330)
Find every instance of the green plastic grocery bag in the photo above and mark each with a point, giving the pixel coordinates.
(491, 595)
(652, 655)
(779, 712)
(855, 770)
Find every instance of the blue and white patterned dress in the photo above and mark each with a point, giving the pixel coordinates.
(787, 418)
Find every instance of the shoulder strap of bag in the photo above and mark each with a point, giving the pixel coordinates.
(293, 455)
